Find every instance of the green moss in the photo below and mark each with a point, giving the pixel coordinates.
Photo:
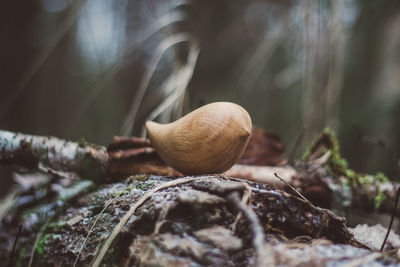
(327, 141)
(82, 142)
(380, 197)
(380, 177)
(42, 244)
(56, 225)
(338, 166)
(142, 186)
(117, 194)
(125, 190)
(139, 177)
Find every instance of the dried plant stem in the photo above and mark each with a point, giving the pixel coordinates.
(391, 219)
(91, 230)
(180, 79)
(14, 246)
(101, 253)
(109, 75)
(38, 236)
(291, 187)
(161, 49)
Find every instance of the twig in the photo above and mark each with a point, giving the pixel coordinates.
(39, 235)
(91, 230)
(100, 255)
(15, 244)
(245, 200)
(161, 218)
(254, 225)
(391, 219)
(291, 187)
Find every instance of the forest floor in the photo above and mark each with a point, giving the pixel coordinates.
(75, 204)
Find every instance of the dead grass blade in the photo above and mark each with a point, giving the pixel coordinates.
(100, 85)
(103, 250)
(91, 230)
(179, 80)
(161, 49)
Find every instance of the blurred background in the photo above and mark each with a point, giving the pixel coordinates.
(93, 69)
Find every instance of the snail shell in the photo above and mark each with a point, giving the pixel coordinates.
(207, 140)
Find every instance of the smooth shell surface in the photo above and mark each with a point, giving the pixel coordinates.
(208, 140)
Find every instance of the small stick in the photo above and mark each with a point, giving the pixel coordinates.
(392, 218)
(254, 225)
(38, 236)
(245, 199)
(91, 230)
(291, 187)
(15, 244)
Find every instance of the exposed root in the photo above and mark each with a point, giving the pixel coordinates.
(254, 225)
(246, 200)
(161, 218)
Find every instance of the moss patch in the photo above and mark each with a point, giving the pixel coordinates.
(338, 166)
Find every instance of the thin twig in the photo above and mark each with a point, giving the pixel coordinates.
(161, 218)
(254, 225)
(392, 218)
(100, 255)
(91, 230)
(246, 201)
(39, 235)
(14, 246)
(291, 187)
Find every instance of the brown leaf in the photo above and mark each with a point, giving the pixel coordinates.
(265, 148)
(134, 155)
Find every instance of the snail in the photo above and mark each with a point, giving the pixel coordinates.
(208, 140)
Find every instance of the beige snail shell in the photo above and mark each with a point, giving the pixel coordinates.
(208, 140)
